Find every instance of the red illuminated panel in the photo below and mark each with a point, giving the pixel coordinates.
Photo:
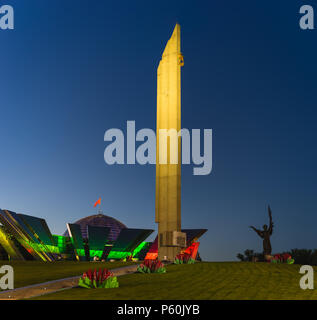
(153, 251)
(193, 249)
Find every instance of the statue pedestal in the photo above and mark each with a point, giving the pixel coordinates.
(268, 257)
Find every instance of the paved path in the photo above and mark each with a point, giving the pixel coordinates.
(53, 286)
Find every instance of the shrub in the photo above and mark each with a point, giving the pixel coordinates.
(151, 266)
(304, 256)
(101, 279)
(250, 255)
(240, 256)
(183, 258)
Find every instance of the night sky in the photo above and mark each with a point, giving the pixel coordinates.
(70, 70)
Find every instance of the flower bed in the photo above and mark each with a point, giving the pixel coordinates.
(184, 258)
(151, 266)
(98, 279)
(282, 258)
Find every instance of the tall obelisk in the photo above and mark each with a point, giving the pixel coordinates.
(168, 175)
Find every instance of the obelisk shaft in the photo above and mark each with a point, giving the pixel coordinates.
(168, 176)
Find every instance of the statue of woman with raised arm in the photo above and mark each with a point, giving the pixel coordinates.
(265, 234)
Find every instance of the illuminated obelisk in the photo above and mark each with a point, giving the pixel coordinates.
(168, 175)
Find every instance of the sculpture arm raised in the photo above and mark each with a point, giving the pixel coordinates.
(271, 221)
(259, 232)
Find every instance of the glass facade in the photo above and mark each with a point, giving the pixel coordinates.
(25, 237)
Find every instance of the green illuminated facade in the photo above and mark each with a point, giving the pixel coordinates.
(24, 237)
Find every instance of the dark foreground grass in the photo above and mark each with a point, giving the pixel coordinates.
(209, 280)
(34, 272)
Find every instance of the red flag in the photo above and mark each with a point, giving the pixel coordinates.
(97, 202)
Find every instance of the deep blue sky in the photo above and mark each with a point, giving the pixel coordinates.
(72, 69)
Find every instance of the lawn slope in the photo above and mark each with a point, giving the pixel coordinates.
(208, 280)
(34, 272)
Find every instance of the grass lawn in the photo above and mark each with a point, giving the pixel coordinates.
(207, 280)
(33, 272)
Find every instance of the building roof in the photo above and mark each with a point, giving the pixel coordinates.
(100, 220)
